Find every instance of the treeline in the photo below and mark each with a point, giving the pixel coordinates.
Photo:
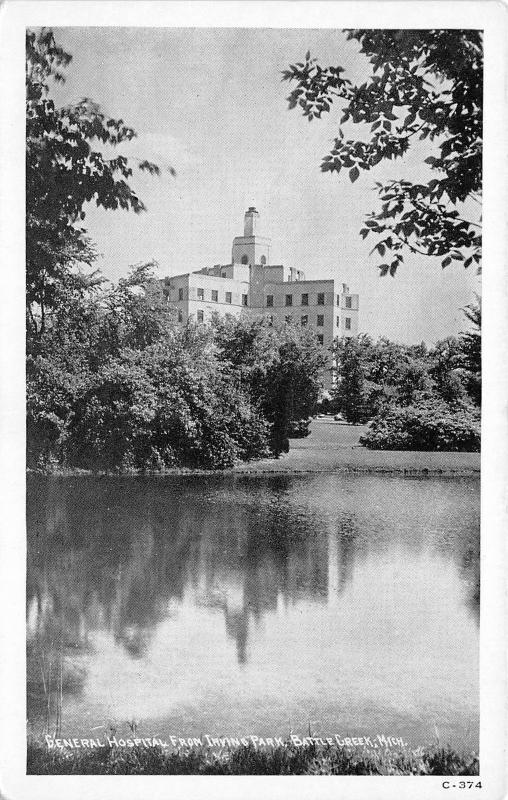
(414, 397)
(113, 383)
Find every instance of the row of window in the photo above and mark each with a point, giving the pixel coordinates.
(305, 300)
(320, 321)
(269, 298)
(215, 296)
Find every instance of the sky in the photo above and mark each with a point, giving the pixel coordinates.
(210, 103)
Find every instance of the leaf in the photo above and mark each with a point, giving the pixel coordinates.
(354, 174)
(447, 261)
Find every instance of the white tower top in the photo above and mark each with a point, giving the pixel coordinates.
(251, 248)
(251, 222)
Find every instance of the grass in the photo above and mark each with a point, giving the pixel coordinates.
(287, 759)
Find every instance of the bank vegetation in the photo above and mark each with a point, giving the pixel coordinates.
(287, 759)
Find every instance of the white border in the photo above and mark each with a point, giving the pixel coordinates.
(14, 17)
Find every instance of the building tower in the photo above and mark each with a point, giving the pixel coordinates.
(251, 248)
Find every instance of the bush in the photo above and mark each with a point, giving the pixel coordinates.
(299, 429)
(429, 425)
(158, 408)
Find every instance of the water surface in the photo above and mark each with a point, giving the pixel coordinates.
(234, 605)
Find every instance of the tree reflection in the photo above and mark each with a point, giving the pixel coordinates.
(120, 556)
(112, 555)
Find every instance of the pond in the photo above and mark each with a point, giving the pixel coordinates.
(233, 605)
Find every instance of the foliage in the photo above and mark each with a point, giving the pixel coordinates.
(50, 394)
(471, 350)
(281, 366)
(161, 407)
(428, 425)
(350, 394)
(65, 170)
(299, 429)
(373, 377)
(286, 759)
(424, 84)
(115, 384)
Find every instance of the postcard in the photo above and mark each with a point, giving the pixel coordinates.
(254, 401)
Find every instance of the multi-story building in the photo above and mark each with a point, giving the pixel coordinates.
(251, 284)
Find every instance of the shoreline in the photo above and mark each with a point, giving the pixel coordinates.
(423, 472)
(331, 448)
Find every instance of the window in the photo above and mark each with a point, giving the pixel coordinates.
(338, 322)
(263, 260)
(348, 323)
(269, 300)
(223, 273)
(201, 294)
(305, 299)
(338, 299)
(305, 319)
(320, 320)
(348, 302)
(245, 300)
(201, 316)
(289, 318)
(215, 296)
(320, 338)
(289, 299)
(180, 294)
(229, 297)
(245, 259)
(180, 315)
(321, 299)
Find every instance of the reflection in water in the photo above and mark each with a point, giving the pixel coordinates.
(334, 592)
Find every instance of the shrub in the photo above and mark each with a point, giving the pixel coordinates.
(429, 425)
(159, 408)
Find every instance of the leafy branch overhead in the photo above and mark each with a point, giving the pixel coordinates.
(424, 84)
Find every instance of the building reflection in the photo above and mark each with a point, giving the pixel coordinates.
(120, 556)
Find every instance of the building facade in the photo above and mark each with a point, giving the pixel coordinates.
(251, 284)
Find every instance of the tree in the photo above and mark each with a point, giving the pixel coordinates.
(350, 392)
(446, 370)
(471, 350)
(65, 170)
(426, 84)
(372, 376)
(280, 366)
